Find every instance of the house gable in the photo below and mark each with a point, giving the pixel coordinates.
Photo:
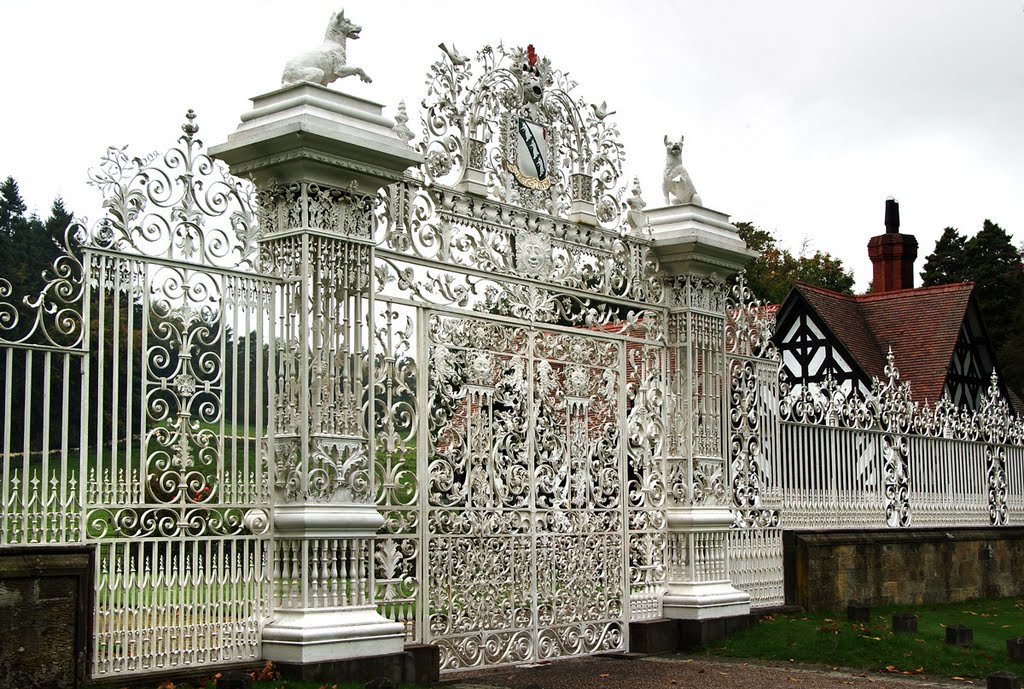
(810, 350)
(970, 367)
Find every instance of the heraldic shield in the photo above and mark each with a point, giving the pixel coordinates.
(531, 152)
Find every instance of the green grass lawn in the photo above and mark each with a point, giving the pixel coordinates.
(829, 639)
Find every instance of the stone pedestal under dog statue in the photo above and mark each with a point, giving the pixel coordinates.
(318, 158)
(699, 249)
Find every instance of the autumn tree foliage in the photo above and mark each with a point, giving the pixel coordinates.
(773, 273)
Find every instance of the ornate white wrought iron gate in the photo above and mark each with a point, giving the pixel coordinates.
(519, 371)
(146, 368)
(524, 492)
(755, 541)
(530, 528)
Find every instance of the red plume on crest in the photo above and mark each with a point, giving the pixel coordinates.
(531, 55)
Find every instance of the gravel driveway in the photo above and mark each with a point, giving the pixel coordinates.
(681, 671)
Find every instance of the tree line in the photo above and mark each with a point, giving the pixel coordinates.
(40, 385)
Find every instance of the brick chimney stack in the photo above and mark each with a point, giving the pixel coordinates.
(892, 254)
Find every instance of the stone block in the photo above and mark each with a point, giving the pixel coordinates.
(959, 635)
(654, 636)
(1015, 649)
(426, 662)
(858, 613)
(904, 622)
(395, 667)
(1002, 680)
(44, 615)
(699, 632)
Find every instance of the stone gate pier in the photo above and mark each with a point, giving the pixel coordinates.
(700, 251)
(317, 158)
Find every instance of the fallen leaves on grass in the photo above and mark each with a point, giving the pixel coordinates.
(266, 673)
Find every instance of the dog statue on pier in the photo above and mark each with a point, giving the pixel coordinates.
(678, 186)
(326, 63)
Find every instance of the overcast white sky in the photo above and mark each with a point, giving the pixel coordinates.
(801, 116)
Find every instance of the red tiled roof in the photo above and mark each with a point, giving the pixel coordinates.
(921, 325)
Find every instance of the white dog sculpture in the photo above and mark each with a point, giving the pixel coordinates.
(677, 186)
(326, 63)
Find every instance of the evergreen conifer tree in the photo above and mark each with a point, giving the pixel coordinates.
(945, 264)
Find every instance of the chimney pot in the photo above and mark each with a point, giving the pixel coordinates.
(892, 254)
(892, 216)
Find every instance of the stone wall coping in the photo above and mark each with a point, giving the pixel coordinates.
(45, 562)
(924, 535)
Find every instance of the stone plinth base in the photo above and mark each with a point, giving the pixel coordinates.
(305, 637)
(396, 667)
(418, 664)
(699, 632)
(654, 636)
(426, 663)
(705, 601)
(667, 635)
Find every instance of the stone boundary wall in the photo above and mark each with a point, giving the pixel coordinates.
(826, 570)
(44, 617)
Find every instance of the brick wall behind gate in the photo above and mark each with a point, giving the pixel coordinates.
(826, 570)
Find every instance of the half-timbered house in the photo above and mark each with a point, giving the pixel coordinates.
(937, 334)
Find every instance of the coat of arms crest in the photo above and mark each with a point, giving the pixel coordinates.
(530, 155)
(526, 140)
